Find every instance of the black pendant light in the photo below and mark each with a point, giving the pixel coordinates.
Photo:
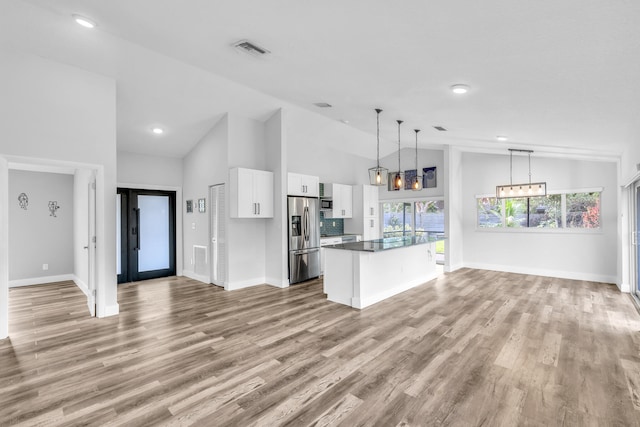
(378, 175)
(398, 181)
(416, 184)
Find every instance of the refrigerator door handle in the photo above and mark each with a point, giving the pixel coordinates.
(306, 223)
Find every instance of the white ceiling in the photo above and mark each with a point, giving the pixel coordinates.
(559, 76)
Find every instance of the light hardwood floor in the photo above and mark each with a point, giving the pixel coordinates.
(469, 348)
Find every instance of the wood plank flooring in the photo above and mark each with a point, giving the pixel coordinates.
(469, 348)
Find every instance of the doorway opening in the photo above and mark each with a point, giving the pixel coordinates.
(217, 231)
(415, 218)
(635, 248)
(145, 234)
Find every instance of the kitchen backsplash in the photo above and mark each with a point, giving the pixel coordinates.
(328, 228)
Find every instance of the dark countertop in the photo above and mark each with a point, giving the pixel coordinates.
(387, 243)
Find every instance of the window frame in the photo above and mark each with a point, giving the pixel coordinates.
(563, 216)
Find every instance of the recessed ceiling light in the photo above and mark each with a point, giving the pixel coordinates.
(346, 122)
(460, 89)
(85, 22)
(502, 138)
(157, 131)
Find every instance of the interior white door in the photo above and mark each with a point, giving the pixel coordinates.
(635, 248)
(91, 246)
(217, 234)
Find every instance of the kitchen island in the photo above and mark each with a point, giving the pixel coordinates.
(360, 274)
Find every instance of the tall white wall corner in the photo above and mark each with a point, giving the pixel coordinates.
(4, 248)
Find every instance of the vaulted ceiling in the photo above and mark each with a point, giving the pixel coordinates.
(559, 76)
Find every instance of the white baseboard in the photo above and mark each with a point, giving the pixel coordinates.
(110, 310)
(365, 302)
(277, 283)
(191, 275)
(232, 286)
(81, 285)
(624, 287)
(40, 280)
(572, 275)
(453, 267)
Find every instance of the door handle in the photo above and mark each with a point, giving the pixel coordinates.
(258, 208)
(136, 230)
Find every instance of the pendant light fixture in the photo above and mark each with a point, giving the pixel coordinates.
(416, 185)
(530, 189)
(398, 181)
(378, 175)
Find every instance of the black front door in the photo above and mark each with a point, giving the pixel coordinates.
(147, 234)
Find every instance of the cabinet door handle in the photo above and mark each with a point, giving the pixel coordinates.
(255, 208)
(371, 223)
(371, 210)
(258, 208)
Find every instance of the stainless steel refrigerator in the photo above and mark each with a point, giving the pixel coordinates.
(304, 239)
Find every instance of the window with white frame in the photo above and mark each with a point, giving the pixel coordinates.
(560, 210)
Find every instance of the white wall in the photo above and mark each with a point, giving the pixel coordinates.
(426, 159)
(246, 238)
(205, 165)
(54, 113)
(312, 148)
(630, 160)
(35, 236)
(4, 249)
(577, 255)
(454, 209)
(146, 169)
(276, 242)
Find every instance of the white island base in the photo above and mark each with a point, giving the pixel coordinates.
(362, 278)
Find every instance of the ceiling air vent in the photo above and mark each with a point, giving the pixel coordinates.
(251, 48)
(322, 104)
(440, 128)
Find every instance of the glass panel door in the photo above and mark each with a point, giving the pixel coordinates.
(153, 228)
(397, 219)
(147, 231)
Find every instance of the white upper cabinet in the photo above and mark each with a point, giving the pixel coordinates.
(370, 200)
(342, 196)
(303, 185)
(251, 193)
(366, 219)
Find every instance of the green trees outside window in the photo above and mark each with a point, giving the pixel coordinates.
(567, 210)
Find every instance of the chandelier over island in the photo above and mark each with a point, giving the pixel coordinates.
(530, 189)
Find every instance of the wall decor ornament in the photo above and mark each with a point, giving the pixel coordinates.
(409, 178)
(23, 200)
(429, 177)
(189, 206)
(53, 207)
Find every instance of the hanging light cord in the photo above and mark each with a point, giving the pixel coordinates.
(378, 111)
(417, 130)
(529, 170)
(511, 167)
(399, 123)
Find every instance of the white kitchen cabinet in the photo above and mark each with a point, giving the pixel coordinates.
(303, 185)
(366, 215)
(325, 241)
(342, 196)
(250, 193)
